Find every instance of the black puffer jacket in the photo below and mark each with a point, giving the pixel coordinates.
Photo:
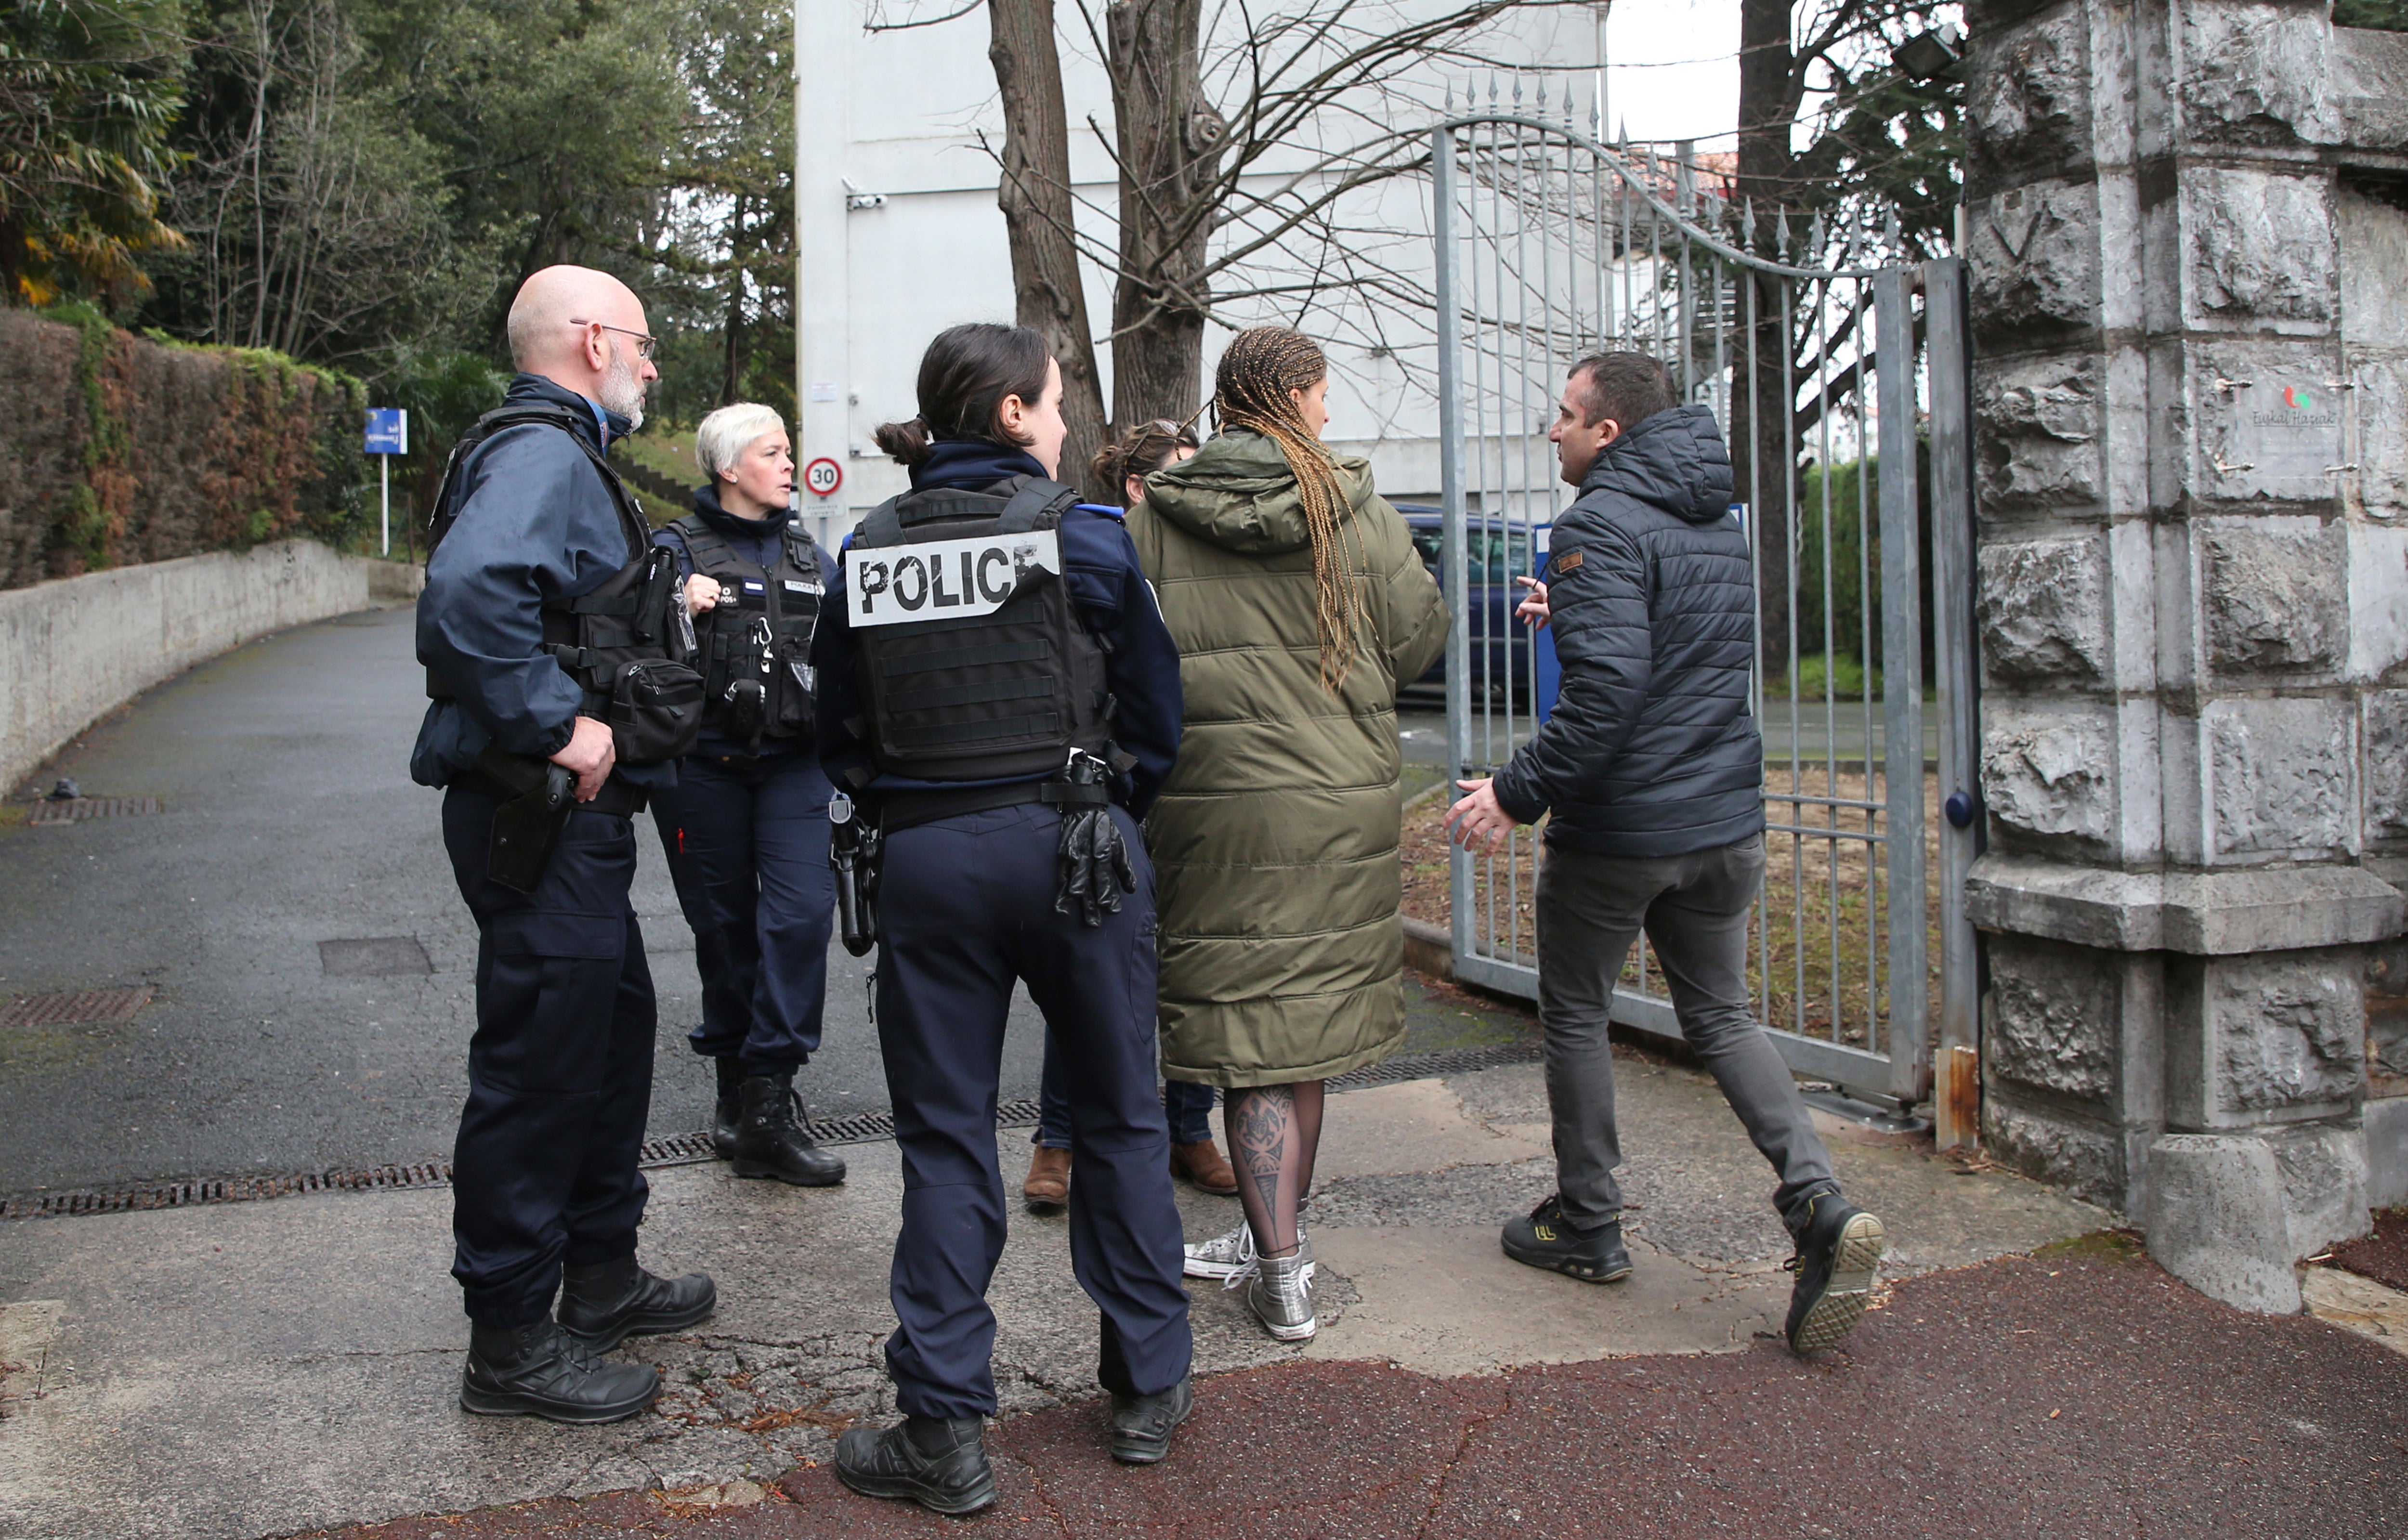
(1651, 751)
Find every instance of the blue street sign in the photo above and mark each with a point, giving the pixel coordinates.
(388, 431)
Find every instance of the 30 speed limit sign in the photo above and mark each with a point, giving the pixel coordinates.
(823, 477)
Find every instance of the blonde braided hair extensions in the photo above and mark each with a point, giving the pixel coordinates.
(1251, 392)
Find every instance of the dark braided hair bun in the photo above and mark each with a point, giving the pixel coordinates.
(1141, 451)
(964, 376)
(1251, 392)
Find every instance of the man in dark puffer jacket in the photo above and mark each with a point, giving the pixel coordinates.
(1654, 771)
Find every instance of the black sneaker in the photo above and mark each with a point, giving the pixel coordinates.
(1547, 1240)
(937, 1462)
(538, 1370)
(1140, 1426)
(727, 1108)
(1839, 1248)
(609, 1301)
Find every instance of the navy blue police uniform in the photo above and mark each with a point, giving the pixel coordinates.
(560, 1070)
(746, 828)
(967, 902)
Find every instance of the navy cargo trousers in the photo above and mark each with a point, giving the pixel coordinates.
(747, 848)
(965, 906)
(560, 1072)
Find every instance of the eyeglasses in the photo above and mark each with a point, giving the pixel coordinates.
(645, 342)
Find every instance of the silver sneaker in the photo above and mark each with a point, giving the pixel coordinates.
(1279, 1291)
(1228, 1257)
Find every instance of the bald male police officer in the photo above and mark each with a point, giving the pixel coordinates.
(547, 631)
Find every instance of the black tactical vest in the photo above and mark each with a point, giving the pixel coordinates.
(618, 642)
(755, 643)
(986, 697)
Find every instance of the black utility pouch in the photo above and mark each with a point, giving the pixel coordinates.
(655, 710)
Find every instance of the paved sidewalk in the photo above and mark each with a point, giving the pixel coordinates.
(258, 1369)
(2085, 1394)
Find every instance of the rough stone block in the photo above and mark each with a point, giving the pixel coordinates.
(2276, 594)
(2217, 1221)
(2264, 1038)
(2260, 248)
(2221, 913)
(2044, 611)
(2052, 1017)
(2367, 69)
(2380, 485)
(2033, 259)
(2027, 97)
(2387, 1152)
(2280, 774)
(2373, 234)
(2085, 1159)
(2047, 771)
(2037, 427)
(2387, 768)
(2254, 74)
(2324, 1184)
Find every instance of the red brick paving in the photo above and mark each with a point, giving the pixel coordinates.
(2085, 1393)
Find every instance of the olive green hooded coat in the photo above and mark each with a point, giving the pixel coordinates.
(1274, 843)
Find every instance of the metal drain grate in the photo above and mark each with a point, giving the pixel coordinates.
(675, 1149)
(77, 809)
(72, 1006)
(222, 1189)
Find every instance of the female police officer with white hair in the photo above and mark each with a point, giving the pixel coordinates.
(998, 689)
(746, 826)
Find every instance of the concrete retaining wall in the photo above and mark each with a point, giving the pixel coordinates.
(74, 649)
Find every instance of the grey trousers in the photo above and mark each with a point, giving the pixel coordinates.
(1693, 908)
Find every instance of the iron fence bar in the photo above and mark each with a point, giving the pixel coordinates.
(1460, 897)
(1910, 1022)
(1790, 485)
(1830, 343)
(1957, 1111)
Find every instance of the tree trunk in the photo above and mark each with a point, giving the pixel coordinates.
(1761, 406)
(1169, 148)
(731, 366)
(1035, 195)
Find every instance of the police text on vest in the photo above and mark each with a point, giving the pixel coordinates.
(946, 580)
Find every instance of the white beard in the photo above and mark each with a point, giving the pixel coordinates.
(622, 391)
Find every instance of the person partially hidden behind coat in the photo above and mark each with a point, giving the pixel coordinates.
(1653, 770)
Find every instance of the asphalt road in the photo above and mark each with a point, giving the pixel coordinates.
(289, 820)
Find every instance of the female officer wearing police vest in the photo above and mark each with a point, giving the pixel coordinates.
(746, 827)
(998, 689)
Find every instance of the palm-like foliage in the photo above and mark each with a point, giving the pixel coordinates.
(89, 94)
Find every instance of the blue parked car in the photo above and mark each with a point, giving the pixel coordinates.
(1497, 555)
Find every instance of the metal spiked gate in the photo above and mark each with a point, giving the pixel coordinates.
(1842, 390)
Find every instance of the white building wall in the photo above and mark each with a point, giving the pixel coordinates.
(891, 123)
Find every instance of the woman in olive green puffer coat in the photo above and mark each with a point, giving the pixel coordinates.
(1298, 605)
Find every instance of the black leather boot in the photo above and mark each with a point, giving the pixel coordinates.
(604, 1303)
(1139, 1426)
(538, 1370)
(771, 1141)
(937, 1462)
(727, 1114)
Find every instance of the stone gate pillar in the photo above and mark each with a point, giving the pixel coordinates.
(2189, 254)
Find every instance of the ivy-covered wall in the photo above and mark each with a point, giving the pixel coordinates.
(117, 449)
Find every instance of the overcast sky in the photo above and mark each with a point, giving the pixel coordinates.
(1673, 70)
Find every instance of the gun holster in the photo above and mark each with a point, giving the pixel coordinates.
(855, 847)
(526, 826)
